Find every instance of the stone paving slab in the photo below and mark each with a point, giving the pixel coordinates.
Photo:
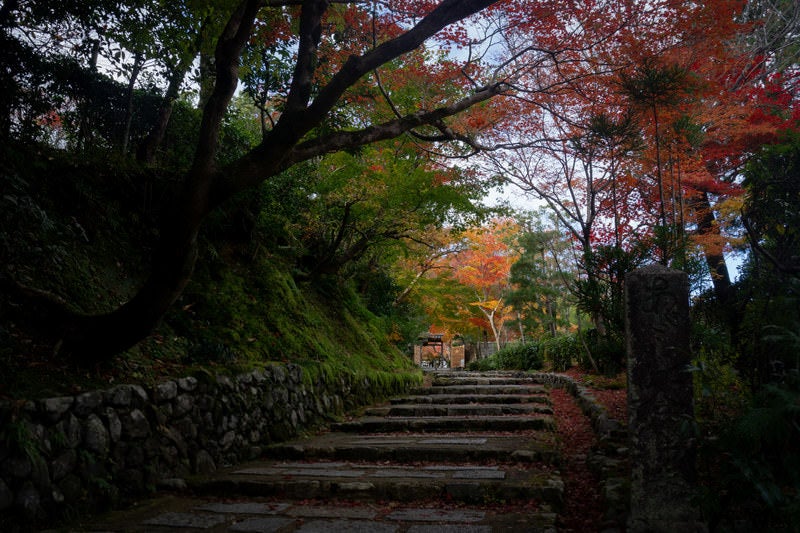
(347, 526)
(478, 474)
(457, 468)
(444, 381)
(189, 514)
(375, 482)
(377, 424)
(382, 440)
(449, 528)
(418, 447)
(317, 464)
(477, 389)
(332, 511)
(186, 520)
(244, 508)
(338, 473)
(436, 515)
(455, 442)
(420, 410)
(272, 524)
(344, 470)
(494, 443)
(468, 398)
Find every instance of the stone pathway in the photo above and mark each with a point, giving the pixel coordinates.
(472, 453)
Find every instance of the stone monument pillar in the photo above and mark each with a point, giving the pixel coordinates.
(660, 403)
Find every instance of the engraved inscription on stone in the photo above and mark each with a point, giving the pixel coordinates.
(659, 401)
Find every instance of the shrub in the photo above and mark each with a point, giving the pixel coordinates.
(526, 356)
(512, 357)
(562, 351)
(607, 352)
(482, 365)
(752, 469)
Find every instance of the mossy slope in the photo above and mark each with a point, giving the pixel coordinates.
(83, 230)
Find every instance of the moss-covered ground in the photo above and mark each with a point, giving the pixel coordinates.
(83, 231)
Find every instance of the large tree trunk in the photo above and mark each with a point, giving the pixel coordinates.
(207, 80)
(138, 62)
(93, 338)
(551, 315)
(720, 277)
(495, 331)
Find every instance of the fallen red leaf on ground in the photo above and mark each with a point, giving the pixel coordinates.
(583, 510)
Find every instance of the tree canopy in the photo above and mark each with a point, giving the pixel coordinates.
(349, 142)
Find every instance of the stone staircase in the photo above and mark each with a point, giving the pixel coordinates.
(469, 453)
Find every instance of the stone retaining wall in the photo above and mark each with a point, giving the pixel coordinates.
(603, 425)
(65, 453)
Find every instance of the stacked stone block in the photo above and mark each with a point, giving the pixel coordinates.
(93, 448)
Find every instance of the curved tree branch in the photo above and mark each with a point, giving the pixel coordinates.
(96, 337)
(310, 35)
(229, 48)
(388, 130)
(300, 122)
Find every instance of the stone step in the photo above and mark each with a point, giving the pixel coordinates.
(449, 424)
(476, 389)
(376, 482)
(470, 398)
(451, 373)
(173, 515)
(528, 447)
(467, 455)
(421, 410)
(473, 380)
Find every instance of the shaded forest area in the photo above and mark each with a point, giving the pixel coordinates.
(227, 184)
